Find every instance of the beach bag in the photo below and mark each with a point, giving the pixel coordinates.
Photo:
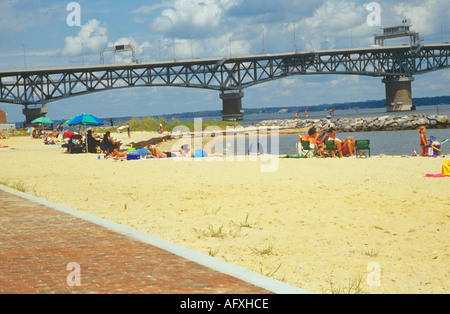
(446, 168)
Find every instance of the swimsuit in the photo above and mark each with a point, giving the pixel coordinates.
(199, 153)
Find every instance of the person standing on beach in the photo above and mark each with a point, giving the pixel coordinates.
(128, 131)
(423, 141)
(331, 111)
(306, 114)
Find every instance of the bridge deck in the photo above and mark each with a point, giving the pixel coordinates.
(248, 58)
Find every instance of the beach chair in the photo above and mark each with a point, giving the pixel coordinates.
(307, 149)
(73, 148)
(330, 148)
(362, 148)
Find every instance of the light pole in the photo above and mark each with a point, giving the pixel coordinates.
(24, 55)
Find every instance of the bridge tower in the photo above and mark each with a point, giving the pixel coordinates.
(399, 94)
(33, 113)
(232, 106)
(398, 89)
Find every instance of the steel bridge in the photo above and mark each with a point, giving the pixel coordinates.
(396, 65)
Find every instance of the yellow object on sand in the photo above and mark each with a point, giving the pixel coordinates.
(446, 168)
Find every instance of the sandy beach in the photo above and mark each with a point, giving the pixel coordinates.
(324, 225)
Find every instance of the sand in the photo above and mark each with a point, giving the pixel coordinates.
(324, 225)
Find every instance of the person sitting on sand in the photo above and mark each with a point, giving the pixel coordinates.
(108, 144)
(337, 143)
(154, 152)
(348, 146)
(35, 134)
(322, 135)
(92, 142)
(50, 140)
(186, 151)
(312, 139)
(116, 154)
(423, 141)
(345, 147)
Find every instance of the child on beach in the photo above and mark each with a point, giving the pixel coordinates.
(423, 140)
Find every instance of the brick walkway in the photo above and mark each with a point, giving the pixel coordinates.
(38, 242)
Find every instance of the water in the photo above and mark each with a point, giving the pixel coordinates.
(444, 109)
(381, 142)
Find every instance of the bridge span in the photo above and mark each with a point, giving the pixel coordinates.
(396, 65)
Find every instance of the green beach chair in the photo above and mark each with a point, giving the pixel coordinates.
(329, 147)
(362, 148)
(308, 150)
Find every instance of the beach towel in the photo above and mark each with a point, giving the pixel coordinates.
(293, 156)
(445, 171)
(438, 175)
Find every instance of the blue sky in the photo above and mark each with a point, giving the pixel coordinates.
(35, 33)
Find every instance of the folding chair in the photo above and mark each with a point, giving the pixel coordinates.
(307, 149)
(329, 147)
(362, 148)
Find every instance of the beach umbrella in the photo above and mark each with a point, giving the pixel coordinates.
(84, 119)
(42, 120)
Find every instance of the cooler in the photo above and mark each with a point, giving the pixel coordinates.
(133, 156)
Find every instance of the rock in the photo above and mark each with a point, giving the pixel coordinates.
(366, 124)
(442, 119)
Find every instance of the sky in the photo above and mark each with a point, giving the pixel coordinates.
(46, 33)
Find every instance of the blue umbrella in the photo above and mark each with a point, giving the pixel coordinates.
(84, 119)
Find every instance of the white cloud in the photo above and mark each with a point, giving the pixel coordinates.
(91, 38)
(332, 20)
(193, 16)
(147, 9)
(423, 14)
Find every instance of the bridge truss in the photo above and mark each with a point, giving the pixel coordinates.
(234, 74)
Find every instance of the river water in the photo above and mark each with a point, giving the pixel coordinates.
(381, 142)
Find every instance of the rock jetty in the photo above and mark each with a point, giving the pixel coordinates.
(383, 123)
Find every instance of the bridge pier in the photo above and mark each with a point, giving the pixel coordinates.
(33, 113)
(398, 94)
(232, 106)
